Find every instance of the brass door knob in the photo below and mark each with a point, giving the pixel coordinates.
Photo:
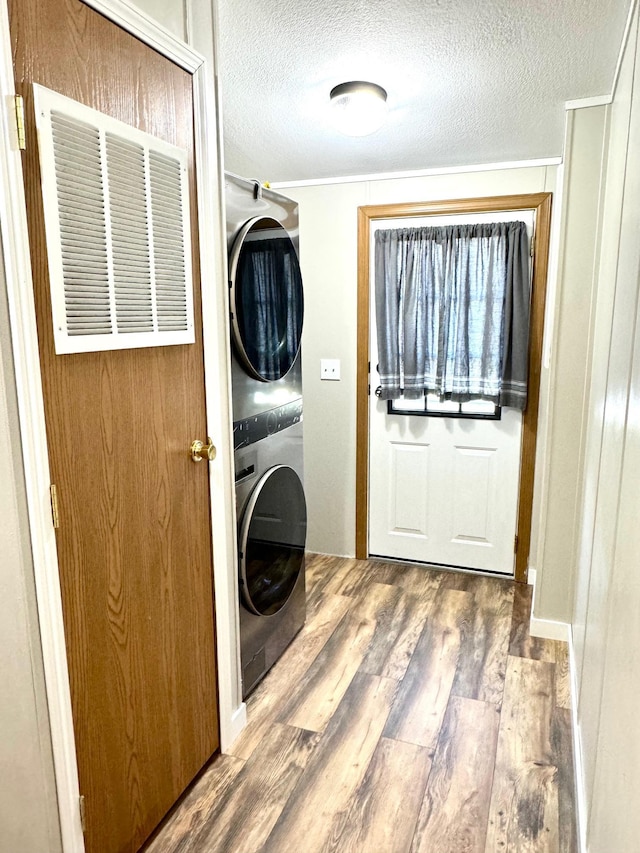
(200, 450)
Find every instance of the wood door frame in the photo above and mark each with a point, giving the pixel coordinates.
(15, 240)
(540, 203)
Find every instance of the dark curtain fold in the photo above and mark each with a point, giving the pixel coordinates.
(515, 367)
(452, 312)
(270, 309)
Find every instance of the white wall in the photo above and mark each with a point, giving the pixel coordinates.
(328, 250)
(172, 14)
(591, 496)
(566, 377)
(606, 627)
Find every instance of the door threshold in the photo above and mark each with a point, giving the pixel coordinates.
(442, 567)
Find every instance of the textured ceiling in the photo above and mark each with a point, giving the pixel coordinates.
(468, 81)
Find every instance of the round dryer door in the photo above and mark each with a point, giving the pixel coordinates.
(267, 299)
(272, 540)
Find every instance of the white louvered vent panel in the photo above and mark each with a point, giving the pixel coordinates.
(118, 238)
(83, 236)
(168, 241)
(129, 235)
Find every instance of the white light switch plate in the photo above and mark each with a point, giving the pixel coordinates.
(330, 368)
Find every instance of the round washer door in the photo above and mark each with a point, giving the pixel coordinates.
(267, 299)
(272, 539)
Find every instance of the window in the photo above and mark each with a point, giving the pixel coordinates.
(431, 405)
(452, 313)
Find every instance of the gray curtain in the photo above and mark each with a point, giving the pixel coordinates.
(452, 312)
(270, 305)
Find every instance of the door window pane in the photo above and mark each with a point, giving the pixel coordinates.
(267, 300)
(431, 405)
(273, 539)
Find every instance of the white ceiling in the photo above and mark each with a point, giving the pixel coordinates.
(468, 81)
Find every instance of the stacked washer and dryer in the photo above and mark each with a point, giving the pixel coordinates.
(266, 320)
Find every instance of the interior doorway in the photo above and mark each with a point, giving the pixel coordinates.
(444, 477)
(519, 438)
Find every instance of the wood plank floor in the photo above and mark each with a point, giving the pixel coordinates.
(414, 713)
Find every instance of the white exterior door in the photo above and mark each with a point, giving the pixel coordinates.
(443, 490)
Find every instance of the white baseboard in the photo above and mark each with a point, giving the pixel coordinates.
(230, 732)
(546, 629)
(578, 764)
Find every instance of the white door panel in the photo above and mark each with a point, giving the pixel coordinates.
(472, 474)
(408, 511)
(444, 490)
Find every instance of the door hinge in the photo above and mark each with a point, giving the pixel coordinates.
(515, 544)
(18, 101)
(83, 813)
(53, 491)
(532, 246)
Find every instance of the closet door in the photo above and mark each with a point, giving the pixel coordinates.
(134, 536)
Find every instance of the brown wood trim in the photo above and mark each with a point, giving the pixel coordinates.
(541, 204)
(530, 421)
(362, 388)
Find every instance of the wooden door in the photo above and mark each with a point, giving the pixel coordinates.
(134, 541)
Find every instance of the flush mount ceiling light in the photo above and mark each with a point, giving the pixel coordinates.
(358, 108)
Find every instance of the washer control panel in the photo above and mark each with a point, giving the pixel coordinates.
(260, 426)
